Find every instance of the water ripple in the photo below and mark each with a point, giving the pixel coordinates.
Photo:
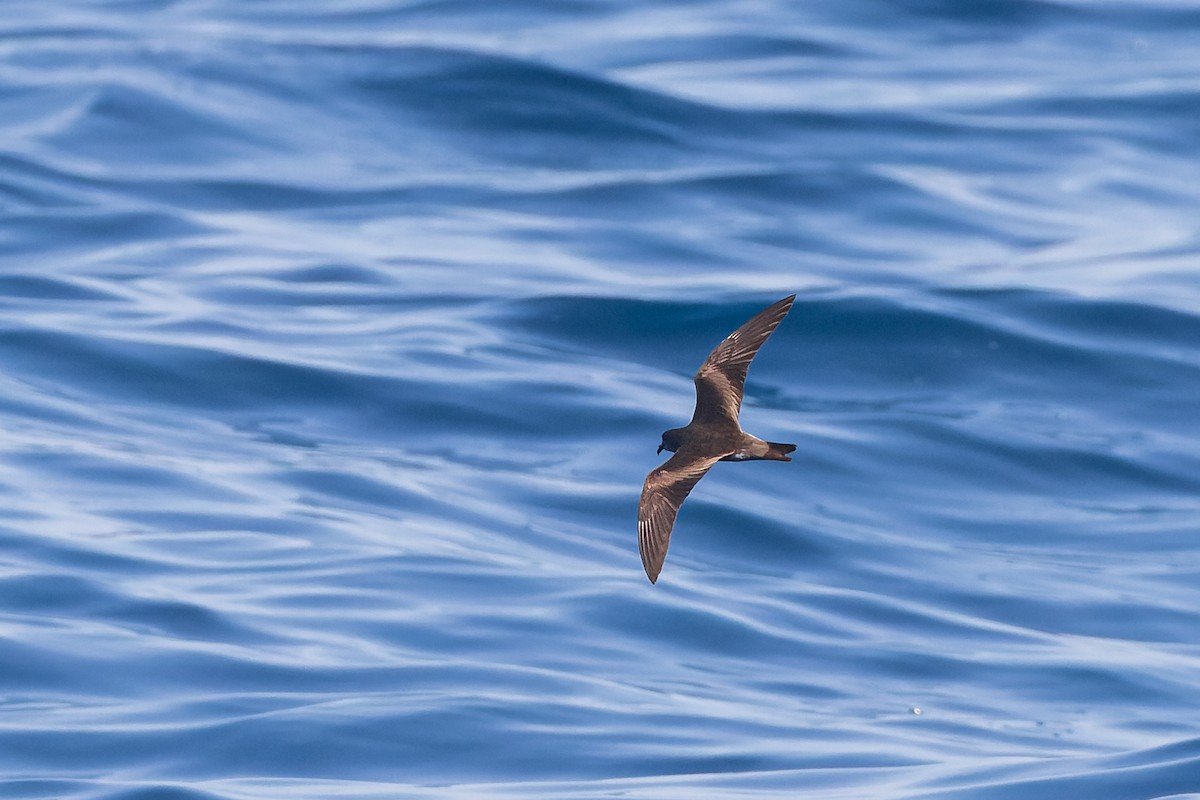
(335, 343)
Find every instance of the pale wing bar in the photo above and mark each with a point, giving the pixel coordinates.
(663, 493)
(721, 379)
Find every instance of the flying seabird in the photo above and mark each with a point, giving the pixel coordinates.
(713, 435)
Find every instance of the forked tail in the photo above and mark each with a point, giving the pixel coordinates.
(779, 451)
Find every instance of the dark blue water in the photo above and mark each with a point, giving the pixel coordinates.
(336, 340)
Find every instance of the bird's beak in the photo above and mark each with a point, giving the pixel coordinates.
(660, 449)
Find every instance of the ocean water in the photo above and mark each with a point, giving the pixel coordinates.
(336, 340)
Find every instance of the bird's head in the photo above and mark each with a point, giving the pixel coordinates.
(671, 440)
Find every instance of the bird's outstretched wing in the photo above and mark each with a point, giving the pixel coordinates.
(666, 488)
(721, 379)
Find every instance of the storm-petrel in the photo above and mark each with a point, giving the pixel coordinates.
(713, 435)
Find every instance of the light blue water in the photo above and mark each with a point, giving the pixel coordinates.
(336, 340)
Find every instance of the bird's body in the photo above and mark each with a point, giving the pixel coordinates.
(714, 434)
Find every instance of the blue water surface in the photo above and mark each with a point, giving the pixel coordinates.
(336, 340)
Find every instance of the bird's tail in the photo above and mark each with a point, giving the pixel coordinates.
(778, 451)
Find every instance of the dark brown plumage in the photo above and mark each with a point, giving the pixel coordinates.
(713, 435)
